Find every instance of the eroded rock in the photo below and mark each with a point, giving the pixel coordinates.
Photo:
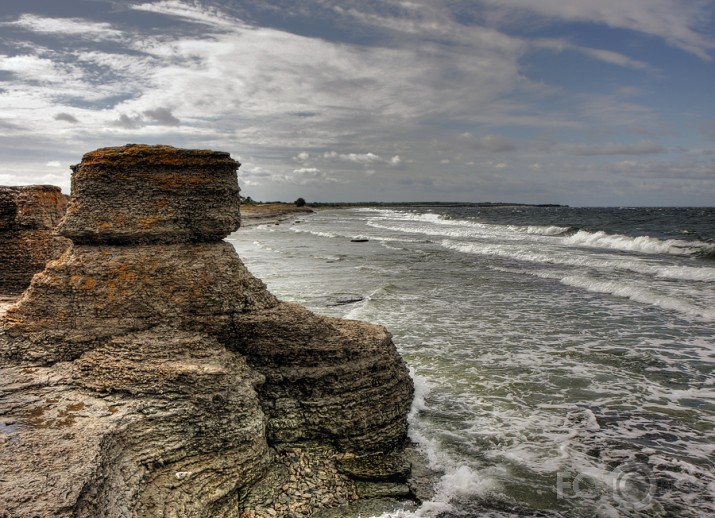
(146, 372)
(28, 216)
(152, 194)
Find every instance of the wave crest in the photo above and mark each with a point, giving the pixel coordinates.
(642, 244)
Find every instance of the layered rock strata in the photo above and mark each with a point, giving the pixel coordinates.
(28, 216)
(147, 373)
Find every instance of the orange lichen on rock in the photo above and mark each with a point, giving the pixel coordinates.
(147, 222)
(137, 155)
(160, 194)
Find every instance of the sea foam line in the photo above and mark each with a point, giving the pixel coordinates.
(680, 272)
(581, 238)
(638, 294)
(643, 244)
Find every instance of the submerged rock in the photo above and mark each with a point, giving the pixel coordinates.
(341, 299)
(146, 372)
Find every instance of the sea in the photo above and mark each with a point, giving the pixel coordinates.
(563, 358)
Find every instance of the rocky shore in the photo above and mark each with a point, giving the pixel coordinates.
(271, 213)
(146, 372)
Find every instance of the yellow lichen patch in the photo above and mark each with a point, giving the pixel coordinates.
(119, 219)
(103, 225)
(160, 203)
(89, 283)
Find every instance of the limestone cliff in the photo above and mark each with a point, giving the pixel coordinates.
(28, 216)
(146, 372)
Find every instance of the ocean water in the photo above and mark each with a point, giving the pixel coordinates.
(563, 358)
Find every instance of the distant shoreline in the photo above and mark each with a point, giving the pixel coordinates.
(430, 204)
(260, 213)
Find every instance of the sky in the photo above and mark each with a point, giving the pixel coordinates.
(578, 102)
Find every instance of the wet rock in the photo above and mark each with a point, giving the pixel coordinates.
(376, 468)
(341, 299)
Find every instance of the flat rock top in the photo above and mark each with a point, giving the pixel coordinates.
(145, 155)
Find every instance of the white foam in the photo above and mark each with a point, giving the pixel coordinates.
(463, 481)
(639, 294)
(582, 238)
(422, 389)
(642, 244)
(552, 255)
(303, 230)
(551, 230)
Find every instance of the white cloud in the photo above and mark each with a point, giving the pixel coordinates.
(680, 24)
(66, 26)
(194, 12)
(608, 56)
(361, 158)
(308, 175)
(34, 68)
(307, 171)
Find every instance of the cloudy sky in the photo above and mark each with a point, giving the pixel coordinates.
(580, 102)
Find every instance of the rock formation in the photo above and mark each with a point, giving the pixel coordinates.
(147, 373)
(28, 216)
